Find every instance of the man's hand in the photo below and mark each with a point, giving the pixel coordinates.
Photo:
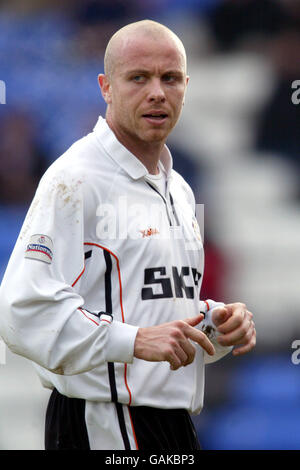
(171, 342)
(236, 326)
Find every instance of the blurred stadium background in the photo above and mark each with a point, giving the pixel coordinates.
(237, 144)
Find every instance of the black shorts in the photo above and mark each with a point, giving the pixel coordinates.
(67, 427)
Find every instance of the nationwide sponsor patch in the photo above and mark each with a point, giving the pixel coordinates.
(40, 247)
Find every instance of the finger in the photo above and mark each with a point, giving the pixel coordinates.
(235, 305)
(174, 363)
(220, 315)
(171, 357)
(200, 338)
(246, 347)
(194, 321)
(190, 352)
(182, 356)
(234, 321)
(240, 335)
(175, 354)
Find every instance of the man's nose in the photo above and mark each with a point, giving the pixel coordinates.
(156, 91)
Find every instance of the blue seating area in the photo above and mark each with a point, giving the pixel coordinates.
(11, 219)
(263, 412)
(43, 74)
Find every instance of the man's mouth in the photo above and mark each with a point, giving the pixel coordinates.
(155, 117)
(158, 116)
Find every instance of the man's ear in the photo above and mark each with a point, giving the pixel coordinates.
(105, 87)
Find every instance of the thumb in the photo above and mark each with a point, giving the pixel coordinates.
(220, 315)
(194, 320)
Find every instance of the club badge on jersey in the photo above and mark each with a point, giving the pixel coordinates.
(40, 247)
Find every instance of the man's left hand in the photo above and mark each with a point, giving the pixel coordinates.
(236, 327)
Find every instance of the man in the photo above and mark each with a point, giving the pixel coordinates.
(102, 289)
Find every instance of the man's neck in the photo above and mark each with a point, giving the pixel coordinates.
(147, 152)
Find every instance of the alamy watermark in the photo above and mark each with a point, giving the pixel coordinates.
(296, 94)
(127, 219)
(2, 92)
(296, 354)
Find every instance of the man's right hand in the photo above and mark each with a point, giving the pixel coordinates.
(171, 342)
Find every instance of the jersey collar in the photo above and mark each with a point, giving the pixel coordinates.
(122, 156)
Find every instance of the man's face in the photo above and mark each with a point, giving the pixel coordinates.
(146, 90)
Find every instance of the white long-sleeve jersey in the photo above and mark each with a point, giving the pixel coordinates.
(100, 237)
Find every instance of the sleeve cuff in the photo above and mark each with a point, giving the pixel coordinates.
(209, 328)
(207, 325)
(120, 345)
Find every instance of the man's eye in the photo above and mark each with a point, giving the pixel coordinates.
(139, 78)
(168, 78)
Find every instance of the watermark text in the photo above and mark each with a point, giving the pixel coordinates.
(127, 219)
(296, 93)
(296, 354)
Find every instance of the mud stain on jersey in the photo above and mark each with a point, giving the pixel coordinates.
(65, 195)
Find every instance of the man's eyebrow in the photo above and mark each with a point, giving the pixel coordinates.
(178, 73)
(137, 71)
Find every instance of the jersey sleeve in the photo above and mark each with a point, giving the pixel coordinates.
(41, 316)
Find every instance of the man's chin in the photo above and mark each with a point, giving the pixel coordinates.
(155, 135)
